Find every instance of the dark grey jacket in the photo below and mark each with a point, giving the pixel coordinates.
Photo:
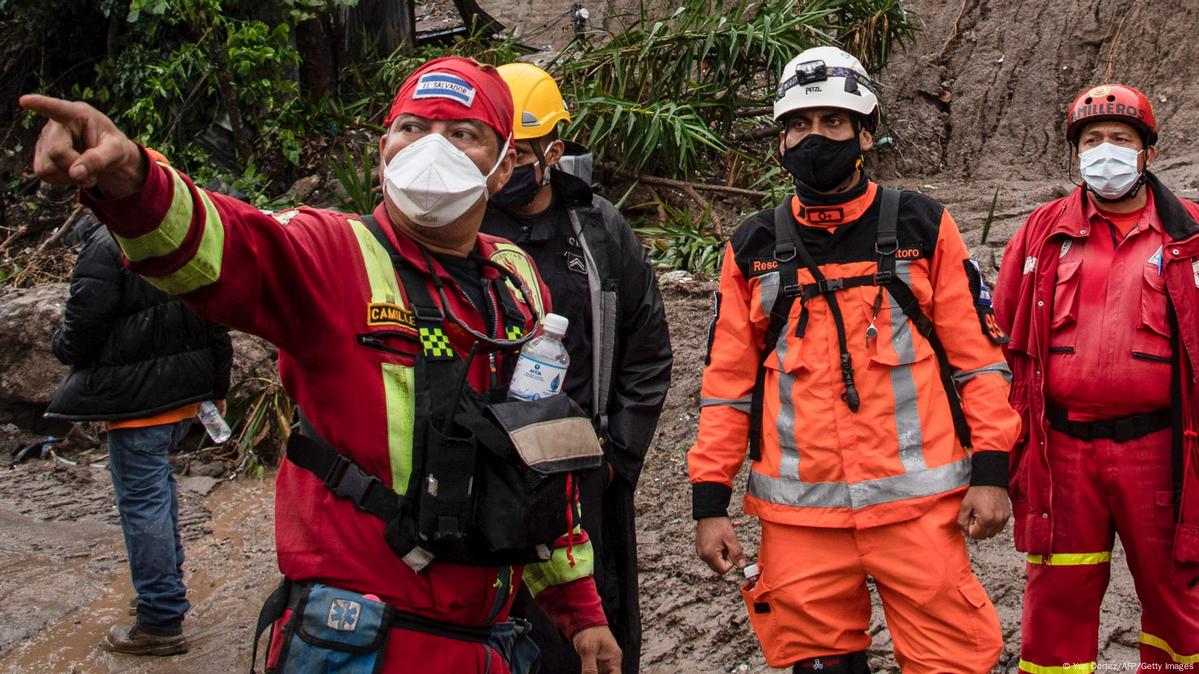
(134, 350)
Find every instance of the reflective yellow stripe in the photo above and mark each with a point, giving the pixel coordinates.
(398, 380)
(1079, 668)
(398, 384)
(1071, 559)
(169, 235)
(557, 569)
(205, 266)
(1158, 642)
(379, 270)
(511, 256)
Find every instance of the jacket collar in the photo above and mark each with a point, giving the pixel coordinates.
(834, 215)
(1176, 222)
(410, 250)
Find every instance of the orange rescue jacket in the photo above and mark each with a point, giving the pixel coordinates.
(822, 464)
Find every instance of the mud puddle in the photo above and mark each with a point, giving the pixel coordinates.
(66, 582)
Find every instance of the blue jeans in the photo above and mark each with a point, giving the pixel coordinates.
(149, 507)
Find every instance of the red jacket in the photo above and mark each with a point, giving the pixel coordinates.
(1023, 305)
(312, 282)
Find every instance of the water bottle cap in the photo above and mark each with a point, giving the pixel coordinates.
(751, 571)
(555, 324)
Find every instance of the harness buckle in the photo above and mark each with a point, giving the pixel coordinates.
(792, 289)
(882, 278)
(830, 285)
(427, 314)
(893, 243)
(347, 481)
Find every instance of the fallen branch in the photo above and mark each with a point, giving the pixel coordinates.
(684, 184)
(14, 236)
(755, 112)
(703, 203)
(755, 134)
(65, 227)
(658, 202)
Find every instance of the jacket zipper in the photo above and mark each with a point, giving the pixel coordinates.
(372, 341)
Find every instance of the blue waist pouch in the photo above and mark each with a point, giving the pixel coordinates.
(336, 631)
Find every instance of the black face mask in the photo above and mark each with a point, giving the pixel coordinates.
(821, 163)
(520, 188)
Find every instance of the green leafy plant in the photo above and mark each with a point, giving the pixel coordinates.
(260, 415)
(680, 241)
(355, 178)
(667, 95)
(990, 216)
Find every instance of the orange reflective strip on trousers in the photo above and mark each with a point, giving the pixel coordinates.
(806, 606)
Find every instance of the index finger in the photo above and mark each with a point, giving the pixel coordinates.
(57, 109)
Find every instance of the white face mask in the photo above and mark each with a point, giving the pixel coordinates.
(1109, 170)
(434, 183)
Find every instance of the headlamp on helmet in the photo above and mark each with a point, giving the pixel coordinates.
(811, 71)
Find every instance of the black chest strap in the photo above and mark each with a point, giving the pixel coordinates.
(788, 250)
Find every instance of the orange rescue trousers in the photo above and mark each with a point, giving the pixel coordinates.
(812, 599)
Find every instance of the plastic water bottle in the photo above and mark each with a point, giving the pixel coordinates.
(213, 422)
(541, 369)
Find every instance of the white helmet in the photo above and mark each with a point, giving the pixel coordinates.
(826, 77)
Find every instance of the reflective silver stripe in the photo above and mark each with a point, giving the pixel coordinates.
(791, 491)
(785, 424)
(742, 404)
(908, 428)
(997, 368)
(768, 291)
(913, 484)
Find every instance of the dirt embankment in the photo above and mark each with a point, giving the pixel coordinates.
(983, 91)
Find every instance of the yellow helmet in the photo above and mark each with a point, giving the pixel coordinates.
(537, 103)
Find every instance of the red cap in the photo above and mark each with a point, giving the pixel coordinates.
(453, 87)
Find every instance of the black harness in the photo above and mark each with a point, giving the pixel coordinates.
(790, 251)
(470, 499)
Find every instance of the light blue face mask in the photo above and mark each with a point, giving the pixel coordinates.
(1109, 170)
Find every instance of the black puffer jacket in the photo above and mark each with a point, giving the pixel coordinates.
(134, 350)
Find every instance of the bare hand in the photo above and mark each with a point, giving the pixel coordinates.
(716, 543)
(985, 511)
(597, 650)
(81, 146)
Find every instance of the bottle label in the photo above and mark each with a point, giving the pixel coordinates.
(534, 379)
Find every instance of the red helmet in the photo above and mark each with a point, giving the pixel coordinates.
(1114, 102)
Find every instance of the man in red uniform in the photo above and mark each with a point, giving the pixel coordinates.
(1100, 294)
(356, 334)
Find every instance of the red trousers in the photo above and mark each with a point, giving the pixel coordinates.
(1102, 488)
